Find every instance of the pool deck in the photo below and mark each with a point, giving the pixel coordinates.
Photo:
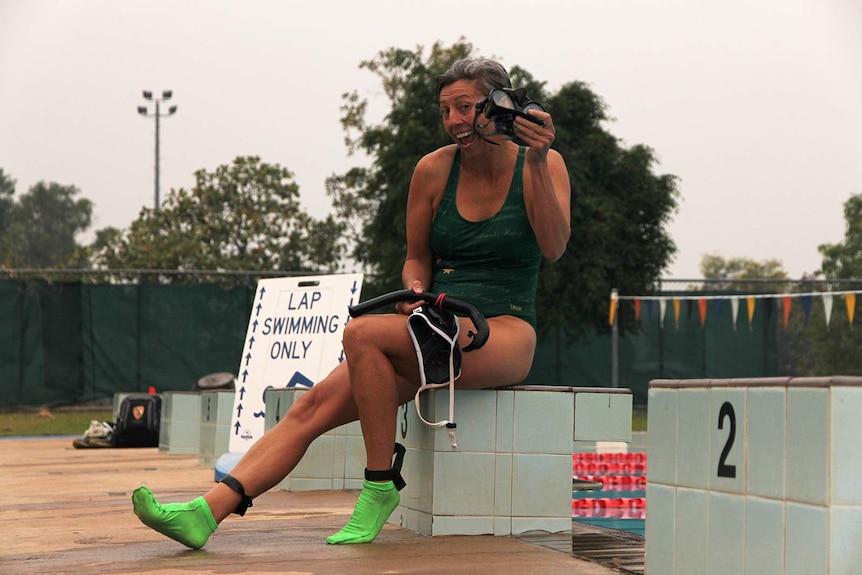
(67, 510)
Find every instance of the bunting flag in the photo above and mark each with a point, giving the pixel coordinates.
(770, 301)
(662, 307)
(750, 301)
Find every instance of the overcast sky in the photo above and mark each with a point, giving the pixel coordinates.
(755, 105)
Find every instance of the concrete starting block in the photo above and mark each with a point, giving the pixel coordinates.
(512, 469)
(754, 476)
(335, 460)
(215, 417)
(510, 473)
(179, 427)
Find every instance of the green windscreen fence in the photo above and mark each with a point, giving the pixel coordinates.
(680, 347)
(64, 343)
(68, 343)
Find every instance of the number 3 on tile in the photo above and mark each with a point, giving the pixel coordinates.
(727, 412)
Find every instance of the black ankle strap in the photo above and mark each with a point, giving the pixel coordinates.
(234, 484)
(393, 474)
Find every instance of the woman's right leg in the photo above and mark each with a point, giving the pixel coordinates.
(325, 406)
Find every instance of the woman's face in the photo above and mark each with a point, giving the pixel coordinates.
(458, 110)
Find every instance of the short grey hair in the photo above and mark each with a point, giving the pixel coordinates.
(490, 74)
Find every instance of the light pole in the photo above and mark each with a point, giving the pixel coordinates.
(143, 111)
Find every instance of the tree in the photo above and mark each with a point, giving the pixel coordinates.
(619, 212)
(814, 348)
(844, 260)
(42, 226)
(727, 274)
(243, 216)
(7, 193)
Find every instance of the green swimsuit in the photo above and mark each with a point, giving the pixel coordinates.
(492, 264)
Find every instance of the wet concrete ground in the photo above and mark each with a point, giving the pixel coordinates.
(66, 510)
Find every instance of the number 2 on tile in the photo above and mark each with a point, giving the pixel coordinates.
(726, 411)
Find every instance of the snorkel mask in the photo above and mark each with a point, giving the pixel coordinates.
(501, 107)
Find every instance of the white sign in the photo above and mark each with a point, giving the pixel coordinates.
(293, 340)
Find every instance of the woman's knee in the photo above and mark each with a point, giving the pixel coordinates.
(375, 333)
(325, 406)
(358, 333)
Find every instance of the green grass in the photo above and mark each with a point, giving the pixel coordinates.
(43, 422)
(24, 423)
(639, 420)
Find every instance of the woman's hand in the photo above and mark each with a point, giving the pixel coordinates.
(405, 307)
(538, 137)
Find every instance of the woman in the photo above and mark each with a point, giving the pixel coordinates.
(481, 213)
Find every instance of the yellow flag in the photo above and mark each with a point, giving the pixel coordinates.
(750, 301)
(613, 311)
(850, 300)
(676, 304)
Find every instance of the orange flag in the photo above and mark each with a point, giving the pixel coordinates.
(676, 303)
(786, 303)
(850, 300)
(701, 305)
(750, 301)
(637, 309)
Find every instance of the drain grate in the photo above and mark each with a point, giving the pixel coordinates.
(618, 549)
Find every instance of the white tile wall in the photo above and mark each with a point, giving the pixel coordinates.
(727, 416)
(463, 484)
(510, 473)
(764, 536)
(845, 530)
(846, 449)
(661, 529)
(603, 417)
(766, 433)
(537, 490)
(503, 479)
(692, 531)
(806, 540)
(216, 408)
(475, 416)
(806, 479)
(179, 426)
(795, 506)
(541, 419)
(692, 453)
(662, 425)
(505, 435)
(726, 533)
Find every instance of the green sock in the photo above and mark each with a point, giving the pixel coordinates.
(189, 523)
(374, 506)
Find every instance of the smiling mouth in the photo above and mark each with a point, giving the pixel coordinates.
(464, 137)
